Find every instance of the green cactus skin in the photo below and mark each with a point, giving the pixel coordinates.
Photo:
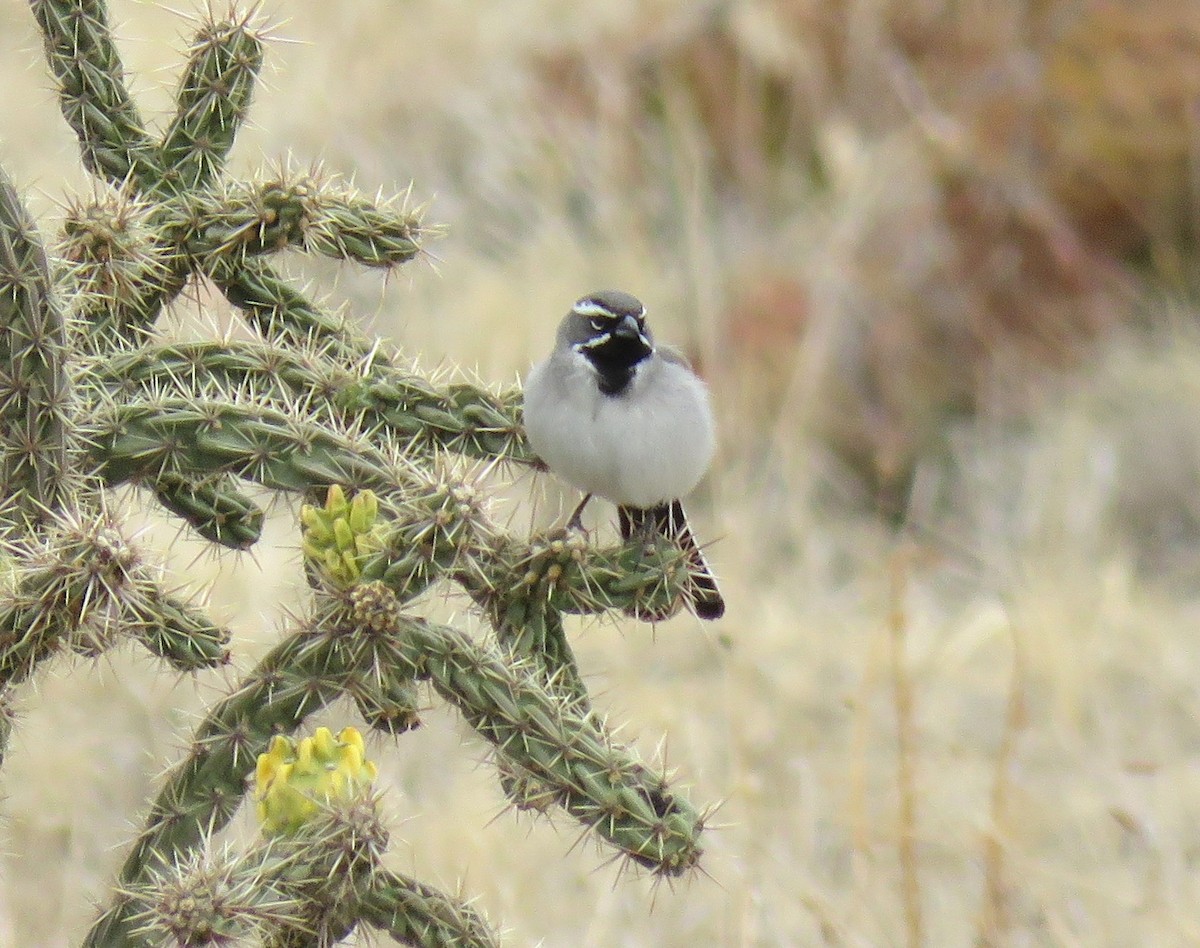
(142, 440)
(599, 783)
(277, 310)
(118, 271)
(299, 676)
(175, 631)
(390, 705)
(309, 887)
(33, 386)
(91, 82)
(214, 507)
(212, 102)
(94, 399)
(319, 216)
(422, 416)
(421, 916)
(85, 583)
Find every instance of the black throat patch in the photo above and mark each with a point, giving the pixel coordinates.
(615, 361)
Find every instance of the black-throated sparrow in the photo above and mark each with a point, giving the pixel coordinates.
(618, 417)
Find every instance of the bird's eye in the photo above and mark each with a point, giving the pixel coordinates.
(597, 325)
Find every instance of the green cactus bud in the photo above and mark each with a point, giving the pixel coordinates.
(335, 501)
(364, 511)
(343, 535)
(339, 537)
(294, 778)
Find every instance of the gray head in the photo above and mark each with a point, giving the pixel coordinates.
(608, 327)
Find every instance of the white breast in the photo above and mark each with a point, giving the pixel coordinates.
(650, 444)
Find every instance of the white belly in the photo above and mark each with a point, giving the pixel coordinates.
(650, 444)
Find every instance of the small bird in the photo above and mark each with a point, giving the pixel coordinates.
(618, 417)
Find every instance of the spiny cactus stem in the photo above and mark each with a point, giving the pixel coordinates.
(565, 574)
(33, 386)
(596, 781)
(82, 588)
(419, 915)
(120, 269)
(460, 418)
(280, 312)
(214, 507)
(281, 888)
(306, 213)
(144, 440)
(95, 102)
(534, 632)
(388, 703)
(212, 102)
(270, 372)
(175, 631)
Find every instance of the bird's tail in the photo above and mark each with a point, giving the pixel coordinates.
(670, 521)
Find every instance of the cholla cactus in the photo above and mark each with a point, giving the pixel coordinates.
(91, 397)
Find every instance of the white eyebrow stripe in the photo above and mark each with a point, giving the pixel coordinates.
(590, 308)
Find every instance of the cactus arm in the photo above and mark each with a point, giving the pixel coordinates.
(388, 702)
(263, 371)
(425, 417)
(213, 507)
(317, 215)
(421, 916)
(512, 582)
(213, 99)
(299, 676)
(92, 93)
(460, 418)
(313, 885)
(33, 386)
(598, 782)
(82, 585)
(277, 310)
(133, 442)
(174, 630)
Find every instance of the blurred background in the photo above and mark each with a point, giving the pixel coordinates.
(937, 261)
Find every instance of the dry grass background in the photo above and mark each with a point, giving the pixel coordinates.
(936, 259)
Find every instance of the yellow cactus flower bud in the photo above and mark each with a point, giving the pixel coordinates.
(364, 510)
(343, 535)
(335, 501)
(294, 778)
(338, 538)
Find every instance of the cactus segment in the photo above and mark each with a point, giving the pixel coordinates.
(211, 105)
(213, 507)
(91, 83)
(33, 387)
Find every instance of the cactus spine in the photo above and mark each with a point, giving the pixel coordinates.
(91, 398)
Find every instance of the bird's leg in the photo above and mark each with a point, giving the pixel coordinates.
(576, 521)
(641, 524)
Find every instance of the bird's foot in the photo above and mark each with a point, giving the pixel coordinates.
(575, 524)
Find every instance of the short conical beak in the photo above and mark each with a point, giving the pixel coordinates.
(628, 328)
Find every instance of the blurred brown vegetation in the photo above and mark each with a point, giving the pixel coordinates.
(1039, 156)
